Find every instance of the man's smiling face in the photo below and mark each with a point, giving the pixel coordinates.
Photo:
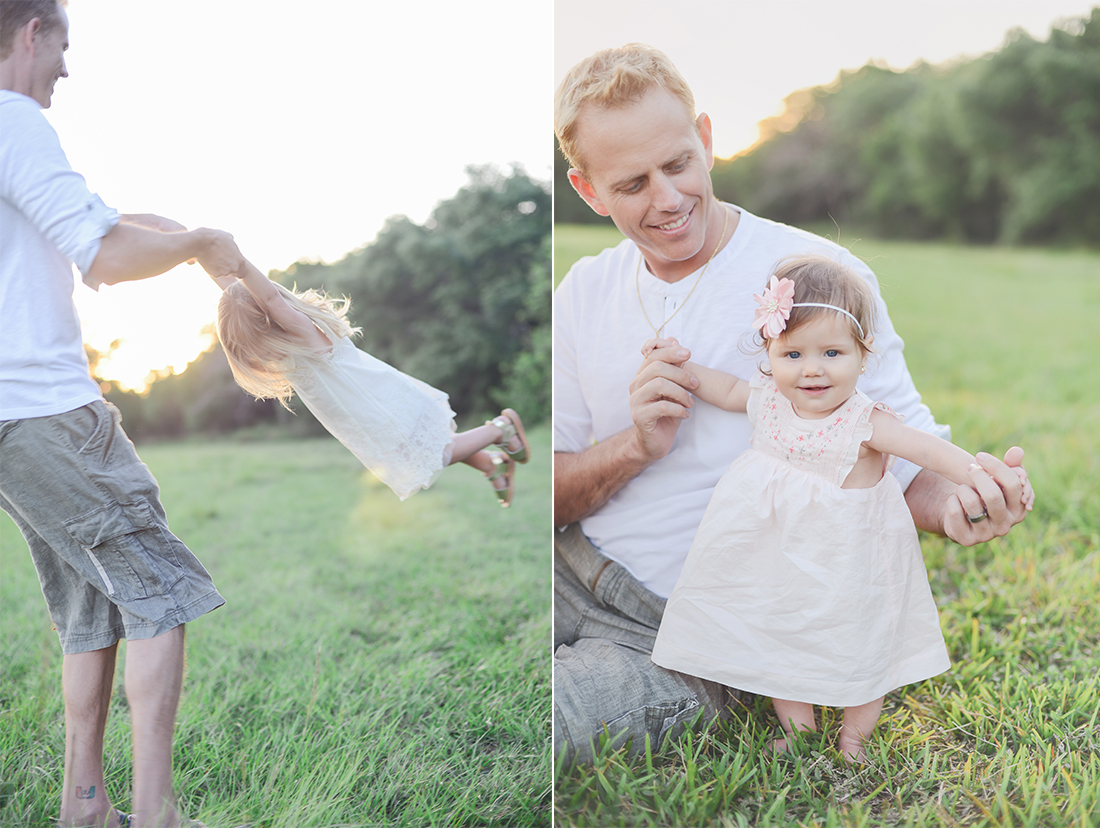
(647, 165)
(48, 63)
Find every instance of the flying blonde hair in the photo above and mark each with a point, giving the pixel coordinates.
(261, 351)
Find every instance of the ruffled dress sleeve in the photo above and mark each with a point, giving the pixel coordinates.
(861, 433)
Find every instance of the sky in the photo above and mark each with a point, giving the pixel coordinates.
(299, 134)
(742, 59)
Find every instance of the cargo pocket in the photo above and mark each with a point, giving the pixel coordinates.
(128, 549)
(659, 721)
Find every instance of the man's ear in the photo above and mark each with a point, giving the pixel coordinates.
(706, 136)
(586, 191)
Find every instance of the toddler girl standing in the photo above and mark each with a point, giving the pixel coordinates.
(805, 581)
(279, 342)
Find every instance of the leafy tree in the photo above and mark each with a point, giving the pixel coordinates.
(1002, 148)
(460, 301)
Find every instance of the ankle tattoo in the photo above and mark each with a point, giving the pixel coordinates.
(85, 793)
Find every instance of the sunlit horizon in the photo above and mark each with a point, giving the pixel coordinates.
(235, 116)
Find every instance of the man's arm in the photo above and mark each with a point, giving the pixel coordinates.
(659, 400)
(130, 252)
(939, 506)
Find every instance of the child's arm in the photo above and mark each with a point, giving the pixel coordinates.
(265, 293)
(719, 388)
(891, 436)
(715, 387)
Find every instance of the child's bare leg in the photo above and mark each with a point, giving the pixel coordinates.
(793, 716)
(480, 460)
(466, 444)
(858, 724)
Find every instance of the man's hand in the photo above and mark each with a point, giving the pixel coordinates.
(219, 254)
(660, 397)
(1001, 491)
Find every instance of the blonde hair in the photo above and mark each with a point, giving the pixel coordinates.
(826, 281)
(261, 351)
(612, 79)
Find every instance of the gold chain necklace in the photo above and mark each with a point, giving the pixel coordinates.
(638, 270)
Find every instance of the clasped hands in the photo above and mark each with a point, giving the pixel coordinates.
(219, 255)
(660, 398)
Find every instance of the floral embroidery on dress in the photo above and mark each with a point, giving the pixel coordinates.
(812, 445)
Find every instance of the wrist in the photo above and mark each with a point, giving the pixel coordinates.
(636, 453)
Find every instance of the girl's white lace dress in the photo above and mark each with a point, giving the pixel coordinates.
(796, 588)
(399, 427)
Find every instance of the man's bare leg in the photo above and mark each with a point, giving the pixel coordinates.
(154, 677)
(86, 682)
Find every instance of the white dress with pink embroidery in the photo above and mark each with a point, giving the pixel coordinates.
(796, 588)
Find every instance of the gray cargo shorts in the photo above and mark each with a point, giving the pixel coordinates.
(90, 512)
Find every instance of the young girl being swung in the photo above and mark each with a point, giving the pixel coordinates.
(279, 342)
(805, 581)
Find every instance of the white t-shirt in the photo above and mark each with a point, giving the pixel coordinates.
(599, 328)
(49, 221)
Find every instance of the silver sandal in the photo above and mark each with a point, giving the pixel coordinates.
(511, 426)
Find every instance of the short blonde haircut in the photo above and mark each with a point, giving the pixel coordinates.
(260, 350)
(612, 79)
(824, 280)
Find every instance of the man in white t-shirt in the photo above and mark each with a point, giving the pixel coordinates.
(69, 477)
(635, 458)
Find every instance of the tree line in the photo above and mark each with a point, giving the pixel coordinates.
(461, 302)
(1003, 148)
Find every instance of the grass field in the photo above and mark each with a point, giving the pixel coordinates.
(377, 662)
(1003, 345)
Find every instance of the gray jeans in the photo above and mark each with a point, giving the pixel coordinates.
(605, 623)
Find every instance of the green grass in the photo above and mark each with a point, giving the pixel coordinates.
(376, 663)
(1003, 345)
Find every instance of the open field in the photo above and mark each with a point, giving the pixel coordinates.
(1002, 343)
(377, 661)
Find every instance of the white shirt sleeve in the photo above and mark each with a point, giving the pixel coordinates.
(573, 430)
(35, 177)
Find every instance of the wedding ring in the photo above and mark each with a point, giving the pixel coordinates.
(978, 518)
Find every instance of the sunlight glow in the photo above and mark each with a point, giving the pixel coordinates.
(234, 115)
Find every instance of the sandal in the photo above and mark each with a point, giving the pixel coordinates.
(512, 426)
(502, 467)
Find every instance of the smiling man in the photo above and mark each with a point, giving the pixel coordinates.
(636, 460)
(69, 477)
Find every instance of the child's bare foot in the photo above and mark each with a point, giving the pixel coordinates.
(852, 749)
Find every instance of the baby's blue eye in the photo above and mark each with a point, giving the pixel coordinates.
(832, 352)
(794, 354)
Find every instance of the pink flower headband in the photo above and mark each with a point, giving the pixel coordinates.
(775, 308)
